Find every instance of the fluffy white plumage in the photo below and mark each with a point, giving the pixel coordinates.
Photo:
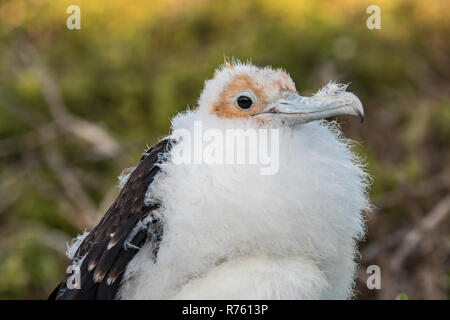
(75, 244)
(232, 233)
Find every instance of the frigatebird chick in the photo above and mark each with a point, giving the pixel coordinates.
(221, 227)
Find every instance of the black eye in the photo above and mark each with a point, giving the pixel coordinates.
(244, 102)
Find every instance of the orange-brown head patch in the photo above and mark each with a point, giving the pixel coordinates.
(226, 107)
(234, 83)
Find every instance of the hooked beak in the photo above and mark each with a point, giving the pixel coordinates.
(331, 101)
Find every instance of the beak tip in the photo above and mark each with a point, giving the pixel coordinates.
(357, 106)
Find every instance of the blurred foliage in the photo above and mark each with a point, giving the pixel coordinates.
(401, 296)
(135, 64)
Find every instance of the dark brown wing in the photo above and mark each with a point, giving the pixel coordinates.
(126, 226)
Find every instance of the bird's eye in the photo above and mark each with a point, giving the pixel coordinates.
(244, 102)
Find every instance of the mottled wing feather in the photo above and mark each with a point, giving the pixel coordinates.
(110, 246)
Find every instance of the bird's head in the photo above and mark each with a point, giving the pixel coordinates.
(269, 95)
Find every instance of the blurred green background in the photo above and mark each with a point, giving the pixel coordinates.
(78, 106)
